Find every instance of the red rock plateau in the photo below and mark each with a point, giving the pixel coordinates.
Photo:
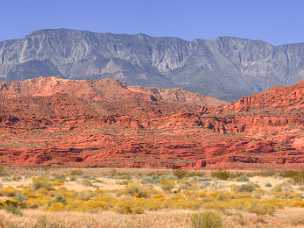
(103, 123)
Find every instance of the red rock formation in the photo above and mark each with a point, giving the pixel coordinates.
(52, 121)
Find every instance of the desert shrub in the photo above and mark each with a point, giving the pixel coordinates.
(296, 176)
(76, 172)
(156, 202)
(8, 191)
(167, 184)
(125, 176)
(246, 187)
(152, 179)
(72, 178)
(91, 205)
(65, 192)
(222, 196)
(181, 201)
(39, 198)
(42, 182)
(20, 198)
(58, 198)
(7, 179)
(294, 203)
(56, 206)
(86, 195)
(96, 180)
(222, 175)
(230, 201)
(136, 190)
(195, 174)
(113, 173)
(206, 220)
(268, 185)
(238, 218)
(236, 175)
(58, 180)
(16, 178)
(185, 186)
(120, 175)
(86, 182)
(243, 178)
(125, 182)
(262, 209)
(204, 183)
(179, 173)
(278, 188)
(3, 171)
(128, 209)
(13, 209)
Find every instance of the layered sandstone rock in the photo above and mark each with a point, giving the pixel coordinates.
(51, 121)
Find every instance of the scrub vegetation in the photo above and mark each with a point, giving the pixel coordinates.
(178, 198)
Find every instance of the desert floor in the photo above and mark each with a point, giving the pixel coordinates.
(95, 197)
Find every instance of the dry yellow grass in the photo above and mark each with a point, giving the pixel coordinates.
(162, 219)
(125, 198)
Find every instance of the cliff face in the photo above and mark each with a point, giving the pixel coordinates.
(104, 123)
(49, 100)
(226, 67)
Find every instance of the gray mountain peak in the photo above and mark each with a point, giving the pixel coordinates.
(227, 67)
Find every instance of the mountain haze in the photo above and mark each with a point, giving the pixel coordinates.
(226, 67)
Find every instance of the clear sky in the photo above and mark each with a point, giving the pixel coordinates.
(276, 21)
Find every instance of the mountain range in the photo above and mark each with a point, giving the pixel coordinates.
(226, 67)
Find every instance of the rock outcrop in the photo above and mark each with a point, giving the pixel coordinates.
(104, 123)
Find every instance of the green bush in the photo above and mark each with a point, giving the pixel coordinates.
(167, 184)
(20, 198)
(126, 209)
(246, 187)
(278, 188)
(58, 180)
(262, 209)
(179, 173)
(41, 182)
(76, 172)
(13, 209)
(296, 176)
(59, 199)
(195, 174)
(243, 178)
(206, 220)
(120, 175)
(136, 190)
(268, 185)
(153, 179)
(222, 175)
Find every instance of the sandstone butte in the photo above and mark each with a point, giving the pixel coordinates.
(104, 123)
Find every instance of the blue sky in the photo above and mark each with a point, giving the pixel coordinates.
(276, 21)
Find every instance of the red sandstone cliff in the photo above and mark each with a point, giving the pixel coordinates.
(52, 121)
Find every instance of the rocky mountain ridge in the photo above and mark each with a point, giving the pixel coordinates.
(226, 67)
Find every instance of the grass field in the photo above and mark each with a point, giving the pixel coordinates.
(58, 197)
